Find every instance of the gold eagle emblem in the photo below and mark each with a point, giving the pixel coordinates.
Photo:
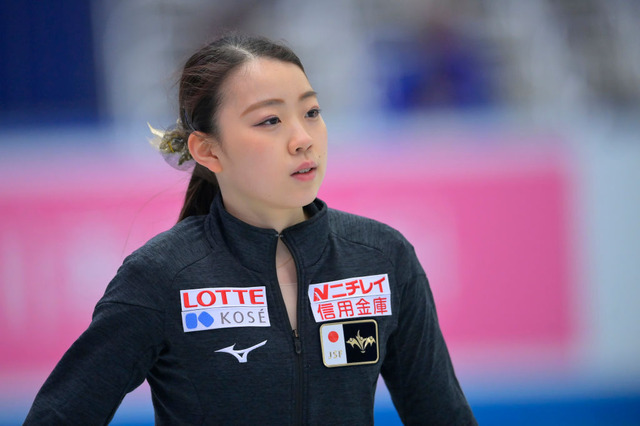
(361, 342)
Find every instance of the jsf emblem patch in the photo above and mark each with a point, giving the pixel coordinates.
(351, 298)
(349, 343)
(224, 307)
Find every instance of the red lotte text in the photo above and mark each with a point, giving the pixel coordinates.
(227, 296)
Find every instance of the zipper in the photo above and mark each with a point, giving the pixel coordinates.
(297, 343)
(300, 390)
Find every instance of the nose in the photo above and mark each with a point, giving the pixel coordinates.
(300, 140)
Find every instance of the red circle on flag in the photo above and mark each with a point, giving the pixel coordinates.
(333, 337)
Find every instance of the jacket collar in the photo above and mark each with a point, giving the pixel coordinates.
(255, 247)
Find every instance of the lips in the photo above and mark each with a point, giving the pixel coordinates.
(305, 168)
(306, 172)
(303, 171)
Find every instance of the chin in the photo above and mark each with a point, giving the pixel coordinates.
(305, 200)
(309, 199)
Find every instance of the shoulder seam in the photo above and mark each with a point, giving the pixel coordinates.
(386, 255)
(173, 279)
(108, 302)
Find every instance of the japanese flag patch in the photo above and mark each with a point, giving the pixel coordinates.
(349, 343)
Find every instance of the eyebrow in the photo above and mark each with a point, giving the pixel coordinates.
(276, 101)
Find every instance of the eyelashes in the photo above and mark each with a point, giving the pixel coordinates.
(272, 121)
(269, 122)
(313, 113)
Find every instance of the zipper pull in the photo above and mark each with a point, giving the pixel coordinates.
(296, 342)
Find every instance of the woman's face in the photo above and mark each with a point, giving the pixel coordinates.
(272, 141)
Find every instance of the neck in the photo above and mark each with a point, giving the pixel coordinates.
(278, 220)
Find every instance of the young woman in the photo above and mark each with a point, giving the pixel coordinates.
(262, 305)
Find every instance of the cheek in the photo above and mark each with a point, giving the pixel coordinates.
(321, 137)
(244, 150)
(262, 162)
(323, 149)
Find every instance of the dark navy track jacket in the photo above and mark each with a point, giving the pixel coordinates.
(198, 313)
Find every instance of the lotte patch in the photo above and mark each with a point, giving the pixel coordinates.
(224, 307)
(349, 343)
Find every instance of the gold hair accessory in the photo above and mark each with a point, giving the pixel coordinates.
(173, 146)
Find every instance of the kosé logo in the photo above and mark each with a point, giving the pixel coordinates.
(227, 307)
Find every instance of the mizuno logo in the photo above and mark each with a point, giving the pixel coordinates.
(241, 355)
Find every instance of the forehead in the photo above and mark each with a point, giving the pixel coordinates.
(264, 78)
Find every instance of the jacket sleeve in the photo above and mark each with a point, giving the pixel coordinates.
(110, 359)
(417, 369)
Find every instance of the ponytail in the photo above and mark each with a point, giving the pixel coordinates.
(202, 189)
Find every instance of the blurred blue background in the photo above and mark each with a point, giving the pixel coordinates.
(453, 86)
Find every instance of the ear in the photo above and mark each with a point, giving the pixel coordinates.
(204, 149)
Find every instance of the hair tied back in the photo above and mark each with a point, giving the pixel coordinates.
(173, 146)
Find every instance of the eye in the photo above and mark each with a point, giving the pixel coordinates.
(269, 122)
(313, 113)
